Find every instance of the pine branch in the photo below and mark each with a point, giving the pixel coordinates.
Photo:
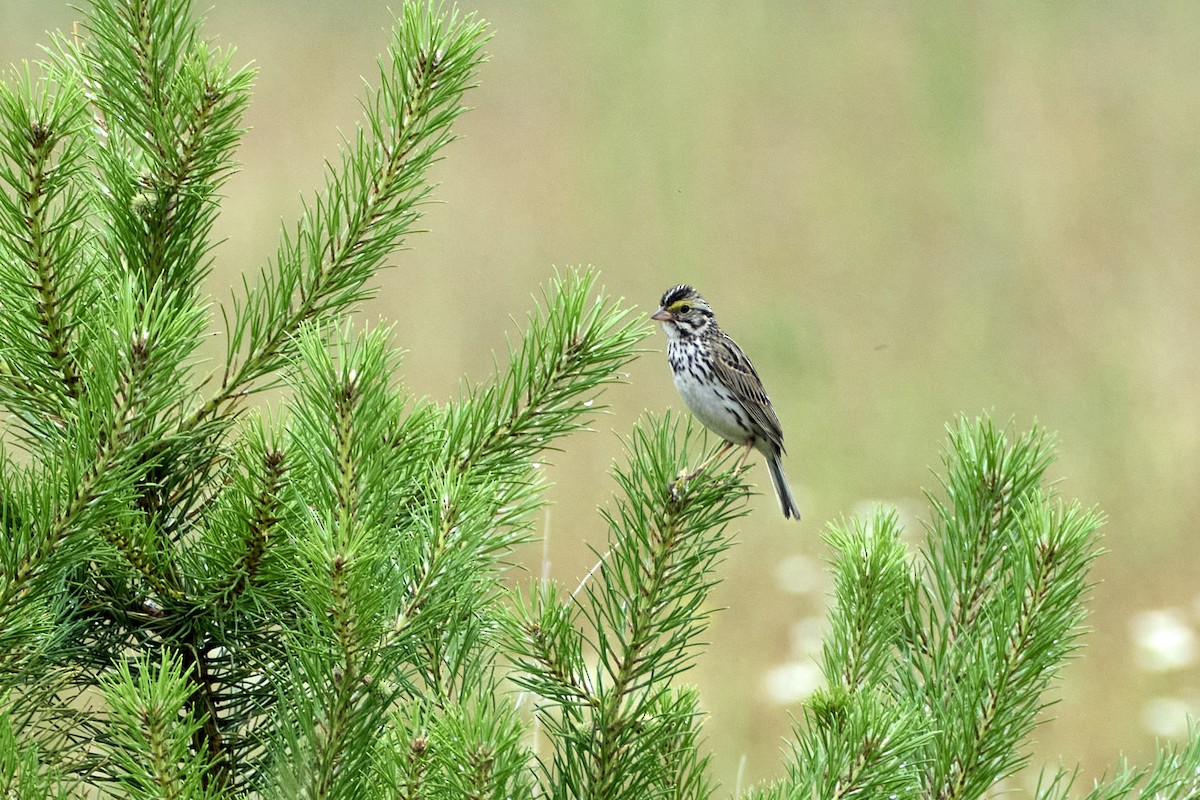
(167, 109)
(568, 353)
(858, 743)
(1175, 775)
(860, 739)
(259, 520)
(171, 110)
(100, 477)
(937, 673)
(148, 750)
(986, 482)
(470, 750)
(872, 582)
(611, 730)
(369, 204)
(45, 263)
(23, 774)
(1034, 551)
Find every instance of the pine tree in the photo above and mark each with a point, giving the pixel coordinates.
(200, 597)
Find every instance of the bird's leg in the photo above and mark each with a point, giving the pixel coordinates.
(707, 461)
(745, 454)
(684, 478)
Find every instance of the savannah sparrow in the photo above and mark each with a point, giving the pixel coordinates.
(720, 387)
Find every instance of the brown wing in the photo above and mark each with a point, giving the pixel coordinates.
(735, 371)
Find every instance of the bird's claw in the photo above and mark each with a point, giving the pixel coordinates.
(682, 479)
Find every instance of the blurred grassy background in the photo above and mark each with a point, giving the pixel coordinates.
(902, 211)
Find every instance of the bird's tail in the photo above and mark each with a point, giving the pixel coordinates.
(790, 509)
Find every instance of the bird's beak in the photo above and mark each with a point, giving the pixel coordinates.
(662, 315)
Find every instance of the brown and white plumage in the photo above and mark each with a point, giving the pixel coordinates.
(720, 386)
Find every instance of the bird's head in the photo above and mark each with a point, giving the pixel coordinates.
(684, 312)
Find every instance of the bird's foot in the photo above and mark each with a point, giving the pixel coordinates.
(675, 485)
(683, 479)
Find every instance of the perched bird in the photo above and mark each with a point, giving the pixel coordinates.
(720, 387)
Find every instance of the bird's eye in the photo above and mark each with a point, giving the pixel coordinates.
(685, 308)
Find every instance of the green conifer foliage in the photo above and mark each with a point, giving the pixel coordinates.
(201, 599)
